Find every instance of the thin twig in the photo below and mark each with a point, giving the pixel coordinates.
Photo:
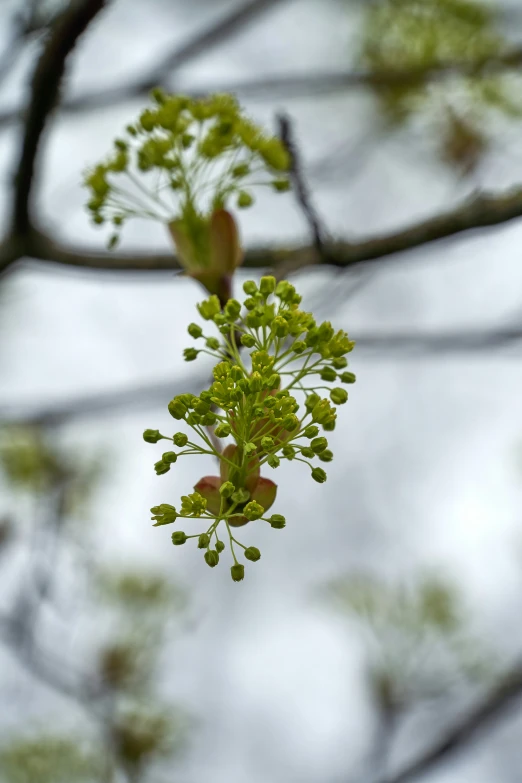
(300, 188)
(467, 730)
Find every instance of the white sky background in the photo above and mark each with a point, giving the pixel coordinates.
(425, 474)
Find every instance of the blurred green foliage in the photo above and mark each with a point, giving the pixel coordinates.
(416, 35)
(33, 463)
(136, 728)
(419, 640)
(48, 759)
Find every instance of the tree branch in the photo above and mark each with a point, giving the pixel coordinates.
(300, 187)
(480, 212)
(201, 42)
(44, 94)
(499, 700)
(284, 85)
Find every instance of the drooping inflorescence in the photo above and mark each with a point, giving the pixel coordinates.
(182, 163)
(270, 354)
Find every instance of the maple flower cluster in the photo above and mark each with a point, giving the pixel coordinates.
(268, 354)
(181, 161)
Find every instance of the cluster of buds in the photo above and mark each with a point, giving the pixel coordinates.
(252, 407)
(182, 163)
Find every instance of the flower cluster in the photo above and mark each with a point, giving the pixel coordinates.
(192, 157)
(252, 407)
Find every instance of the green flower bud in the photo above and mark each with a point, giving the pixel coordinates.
(220, 546)
(249, 287)
(267, 285)
(241, 170)
(194, 419)
(339, 362)
(253, 320)
(273, 381)
(329, 426)
(253, 510)
(325, 332)
(290, 422)
(307, 452)
(326, 456)
(178, 538)
(252, 553)
(194, 330)
(180, 439)
(285, 291)
(220, 319)
(250, 448)
(267, 443)
(227, 489)
(161, 467)
(319, 444)
(241, 495)
(277, 521)
(232, 309)
(212, 343)
(203, 541)
(311, 432)
(281, 185)
(190, 354)
(152, 436)
(328, 374)
(238, 572)
(323, 412)
(209, 419)
(202, 407)
(273, 460)
(348, 377)
(256, 382)
(193, 504)
(248, 340)
(311, 401)
(288, 452)
(222, 430)
(212, 558)
(280, 327)
(319, 475)
(299, 346)
(209, 308)
(244, 199)
(170, 457)
(250, 303)
(338, 395)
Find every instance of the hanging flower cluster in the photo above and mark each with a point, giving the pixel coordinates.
(182, 163)
(253, 404)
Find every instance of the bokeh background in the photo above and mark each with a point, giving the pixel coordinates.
(378, 638)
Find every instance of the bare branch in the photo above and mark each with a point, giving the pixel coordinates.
(203, 41)
(466, 731)
(44, 94)
(300, 188)
(101, 403)
(284, 85)
(480, 212)
(472, 341)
